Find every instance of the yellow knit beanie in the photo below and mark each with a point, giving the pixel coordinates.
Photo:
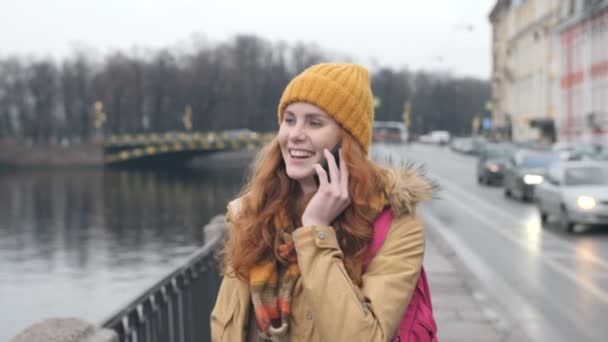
(342, 90)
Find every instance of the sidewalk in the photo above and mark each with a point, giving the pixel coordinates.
(463, 309)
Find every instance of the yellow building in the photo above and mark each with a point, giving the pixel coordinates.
(524, 67)
(498, 18)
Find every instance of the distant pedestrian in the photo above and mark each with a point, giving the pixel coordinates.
(294, 263)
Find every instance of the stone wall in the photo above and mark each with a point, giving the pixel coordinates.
(16, 154)
(65, 330)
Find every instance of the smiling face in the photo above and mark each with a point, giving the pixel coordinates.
(305, 132)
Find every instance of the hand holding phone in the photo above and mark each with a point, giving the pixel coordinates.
(334, 152)
(331, 197)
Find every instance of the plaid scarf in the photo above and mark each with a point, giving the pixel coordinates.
(272, 285)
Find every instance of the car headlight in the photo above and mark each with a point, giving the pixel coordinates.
(493, 167)
(533, 179)
(585, 202)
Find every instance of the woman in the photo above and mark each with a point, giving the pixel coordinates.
(294, 258)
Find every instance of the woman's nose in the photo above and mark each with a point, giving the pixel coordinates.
(297, 132)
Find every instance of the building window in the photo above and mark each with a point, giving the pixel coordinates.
(571, 7)
(517, 3)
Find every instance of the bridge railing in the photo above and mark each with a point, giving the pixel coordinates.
(121, 148)
(177, 308)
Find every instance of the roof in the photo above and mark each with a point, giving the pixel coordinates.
(500, 4)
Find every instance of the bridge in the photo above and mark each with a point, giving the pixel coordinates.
(177, 147)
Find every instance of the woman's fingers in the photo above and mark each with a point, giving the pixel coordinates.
(343, 175)
(334, 173)
(321, 174)
(332, 197)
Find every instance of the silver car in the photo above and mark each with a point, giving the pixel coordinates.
(576, 192)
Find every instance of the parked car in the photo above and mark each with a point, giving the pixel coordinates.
(524, 170)
(491, 163)
(389, 131)
(533, 145)
(479, 144)
(602, 154)
(440, 137)
(575, 192)
(462, 145)
(436, 137)
(576, 151)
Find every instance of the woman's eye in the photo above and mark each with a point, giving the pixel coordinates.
(289, 120)
(316, 123)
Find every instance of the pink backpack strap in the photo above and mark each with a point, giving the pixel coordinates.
(418, 323)
(381, 227)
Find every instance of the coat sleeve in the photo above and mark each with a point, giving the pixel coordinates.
(226, 320)
(344, 312)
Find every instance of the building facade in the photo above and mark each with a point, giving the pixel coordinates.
(500, 118)
(582, 90)
(524, 67)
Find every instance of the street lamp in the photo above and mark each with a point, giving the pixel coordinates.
(99, 114)
(99, 119)
(187, 118)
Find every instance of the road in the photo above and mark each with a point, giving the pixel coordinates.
(553, 284)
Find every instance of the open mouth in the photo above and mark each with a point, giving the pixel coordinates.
(300, 154)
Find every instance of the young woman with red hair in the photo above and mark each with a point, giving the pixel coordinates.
(297, 236)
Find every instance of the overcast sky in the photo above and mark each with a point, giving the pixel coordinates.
(427, 34)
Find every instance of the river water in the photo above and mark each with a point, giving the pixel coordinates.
(82, 243)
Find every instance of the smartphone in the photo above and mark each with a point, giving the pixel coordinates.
(336, 153)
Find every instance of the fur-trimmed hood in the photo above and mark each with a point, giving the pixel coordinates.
(406, 186)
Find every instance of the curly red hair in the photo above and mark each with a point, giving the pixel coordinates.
(272, 202)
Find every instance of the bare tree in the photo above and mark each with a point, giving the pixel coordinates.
(42, 84)
(235, 84)
(393, 90)
(163, 92)
(78, 97)
(204, 87)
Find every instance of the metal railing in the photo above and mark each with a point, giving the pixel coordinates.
(122, 148)
(177, 308)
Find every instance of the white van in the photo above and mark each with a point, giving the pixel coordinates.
(440, 137)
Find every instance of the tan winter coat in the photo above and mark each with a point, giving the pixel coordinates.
(326, 305)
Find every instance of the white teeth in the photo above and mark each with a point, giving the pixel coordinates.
(300, 154)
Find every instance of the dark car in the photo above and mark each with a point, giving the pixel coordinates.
(491, 163)
(524, 170)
